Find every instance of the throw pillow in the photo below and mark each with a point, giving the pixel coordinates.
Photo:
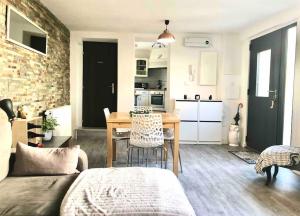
(45, 161)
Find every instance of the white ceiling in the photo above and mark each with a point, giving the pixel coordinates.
(146, 16)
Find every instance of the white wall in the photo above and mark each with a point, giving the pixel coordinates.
(180, 58)
(263, 27)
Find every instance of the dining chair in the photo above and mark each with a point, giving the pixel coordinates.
(169, 138)
(118, 134)
(146, 133)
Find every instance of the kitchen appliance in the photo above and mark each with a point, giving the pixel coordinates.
(202, 42)
(154, 98)
(159, 84)
(141, 98)
(141, 85)
(157, 100)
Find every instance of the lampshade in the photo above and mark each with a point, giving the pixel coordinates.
(166, 37)
(7, 106)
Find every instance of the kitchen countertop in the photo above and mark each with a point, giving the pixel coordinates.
(149, 89)
(193, 100)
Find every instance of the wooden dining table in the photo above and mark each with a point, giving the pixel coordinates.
(123, 120)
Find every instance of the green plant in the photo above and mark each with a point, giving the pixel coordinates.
(49, 124)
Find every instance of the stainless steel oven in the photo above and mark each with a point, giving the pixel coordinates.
(157, 100)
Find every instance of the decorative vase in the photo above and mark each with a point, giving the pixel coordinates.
(48, 135)
(234, 135)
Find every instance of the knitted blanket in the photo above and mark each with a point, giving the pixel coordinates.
(126, 191)
(280, 155)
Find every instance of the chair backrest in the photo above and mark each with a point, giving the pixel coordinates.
(141, 109)
(106, 113)
(146, 130)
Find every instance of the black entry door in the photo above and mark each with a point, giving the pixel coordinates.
(99, 82)
(265, 94)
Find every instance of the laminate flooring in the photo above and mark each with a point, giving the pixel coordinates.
(215, 181)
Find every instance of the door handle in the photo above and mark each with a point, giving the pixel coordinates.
(112, 88)
(272, 104)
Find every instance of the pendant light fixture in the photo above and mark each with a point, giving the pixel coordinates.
(166, 37)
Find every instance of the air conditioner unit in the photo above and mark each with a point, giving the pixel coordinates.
(201, 42)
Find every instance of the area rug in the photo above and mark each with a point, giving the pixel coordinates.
(248, 156)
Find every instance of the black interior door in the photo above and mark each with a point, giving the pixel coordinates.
(99, 82)
(265, 95)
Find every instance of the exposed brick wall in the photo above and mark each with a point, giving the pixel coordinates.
(29, 78)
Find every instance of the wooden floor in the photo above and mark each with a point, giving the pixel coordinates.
(217, 182)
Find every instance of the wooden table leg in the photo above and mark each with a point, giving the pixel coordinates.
(176, 148)
(109, 145)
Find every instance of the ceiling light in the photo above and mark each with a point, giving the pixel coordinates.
(166, 37)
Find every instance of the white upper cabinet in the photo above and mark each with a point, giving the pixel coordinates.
(208, 68)
(141, 67)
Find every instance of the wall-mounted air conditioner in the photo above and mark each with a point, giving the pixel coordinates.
(201, 42)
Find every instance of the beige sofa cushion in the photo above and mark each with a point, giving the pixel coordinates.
(5, 147)
(45, 161)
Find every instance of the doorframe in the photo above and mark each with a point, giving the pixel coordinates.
(283, 81)
(280, 125)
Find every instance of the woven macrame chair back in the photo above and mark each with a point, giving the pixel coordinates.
(146, 130)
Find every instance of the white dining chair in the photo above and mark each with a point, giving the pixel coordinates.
(118, 134)
(169, 138)
(146, 133)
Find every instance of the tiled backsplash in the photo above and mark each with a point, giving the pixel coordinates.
(154, 75)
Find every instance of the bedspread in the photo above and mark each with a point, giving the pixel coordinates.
(126, 191)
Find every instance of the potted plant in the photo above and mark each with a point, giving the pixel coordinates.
(49, 124)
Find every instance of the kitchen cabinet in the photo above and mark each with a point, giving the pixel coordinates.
(187, 111)
(210, 111)
(141, 67)
(188, 131)
(201, 121)
(209, 132)
(158, 58)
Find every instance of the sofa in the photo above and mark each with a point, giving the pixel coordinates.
(30, 195)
